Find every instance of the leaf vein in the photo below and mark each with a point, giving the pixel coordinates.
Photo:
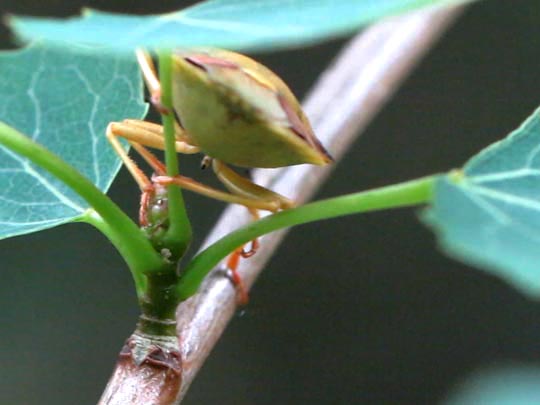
(90, 124)
(505, 197)
(497, 214)
(510, 174)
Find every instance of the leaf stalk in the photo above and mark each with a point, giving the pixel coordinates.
(399, 195)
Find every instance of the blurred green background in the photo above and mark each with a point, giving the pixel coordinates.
(361, 310)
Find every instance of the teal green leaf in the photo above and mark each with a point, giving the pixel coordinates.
(64, 101)
(490, 215)
(232, 24)
(514, 384)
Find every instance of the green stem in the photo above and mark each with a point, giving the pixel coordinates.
(399, 195)
(179, 233)
(158, 306)
(107, 217)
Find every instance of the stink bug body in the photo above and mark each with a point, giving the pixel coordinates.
(235, 111)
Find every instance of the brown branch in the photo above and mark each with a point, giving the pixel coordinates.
(342, 103)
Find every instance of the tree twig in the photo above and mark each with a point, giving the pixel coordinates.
(342, 103)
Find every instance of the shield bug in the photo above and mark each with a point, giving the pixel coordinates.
(235, 111)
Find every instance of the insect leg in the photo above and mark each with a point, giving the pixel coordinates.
(241, 186)
(140, 133)
(193, 185)
(149, 134)
(232, 265)
(142, 180)
(145, 184)
(151, 79)
(255, 242)
(233, 262)
(179, 133)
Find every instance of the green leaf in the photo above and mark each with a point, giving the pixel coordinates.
(233, 24)
(513, 384)
(490, 215)
(63, 99)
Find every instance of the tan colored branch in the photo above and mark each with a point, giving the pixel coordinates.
(342, 103)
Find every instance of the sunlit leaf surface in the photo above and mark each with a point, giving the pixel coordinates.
(490, 217)
(64, 101)
(232, 24)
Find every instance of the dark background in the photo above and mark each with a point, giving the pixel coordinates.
(357, 310)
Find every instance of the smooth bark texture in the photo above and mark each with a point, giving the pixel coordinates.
(342, 103)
